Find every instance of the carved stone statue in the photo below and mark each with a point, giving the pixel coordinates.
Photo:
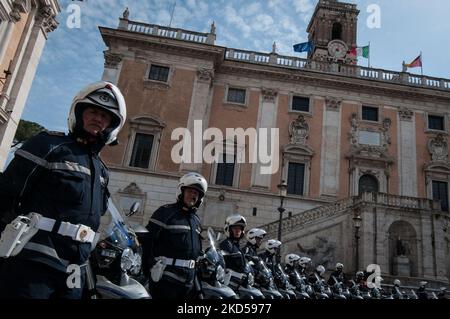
(126, 13)
(299, 131)
(322, 252)
(354, 129)
(438, 148)
(386, 136)
(402, 247)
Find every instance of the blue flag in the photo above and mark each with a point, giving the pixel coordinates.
(304, 47)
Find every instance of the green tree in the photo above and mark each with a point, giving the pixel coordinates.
(25, 130)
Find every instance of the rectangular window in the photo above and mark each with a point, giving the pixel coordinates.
(436, 122)
(300, 103)
(370, 113)
(236, 96)
(159, 73)
(296, 177)
(225, 172)
(440, 192)
(142, 149)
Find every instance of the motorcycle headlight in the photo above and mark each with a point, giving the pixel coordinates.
(137, 263)
(126, 261)
(220, 274)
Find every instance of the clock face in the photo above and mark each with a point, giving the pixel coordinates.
(337, 49)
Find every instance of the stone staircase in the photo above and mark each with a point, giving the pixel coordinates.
(307, 217)
(300, 220)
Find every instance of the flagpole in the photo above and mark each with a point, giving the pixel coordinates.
(369, 54)
(421, 62)
(173, 11)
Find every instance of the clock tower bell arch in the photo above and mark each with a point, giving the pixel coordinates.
(333, 30)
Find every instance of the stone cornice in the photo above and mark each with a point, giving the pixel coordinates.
(333, 81)
(166, 45)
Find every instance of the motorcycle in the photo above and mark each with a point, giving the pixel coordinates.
(264, 279)
(319, 288)
(211, 273)
(355, 293)
(116, 260)
(283, 284)
(337, 291)
(299, 285)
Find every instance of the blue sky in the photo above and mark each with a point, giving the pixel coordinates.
(73, 57)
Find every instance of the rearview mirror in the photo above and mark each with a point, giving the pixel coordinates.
(133, 209)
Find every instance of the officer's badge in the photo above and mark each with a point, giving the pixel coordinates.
(104, 98)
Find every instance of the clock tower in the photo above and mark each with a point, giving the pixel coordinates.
(332, 29)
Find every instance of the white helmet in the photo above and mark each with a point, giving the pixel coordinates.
(320, 270)
(272, 245)
(339, 266)
(304, 261)
(397, 282)
(106, 96)
(290, 259)
(193, 180)
(234, 220)
(254, 233)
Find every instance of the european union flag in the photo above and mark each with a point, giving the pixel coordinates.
(304, 47)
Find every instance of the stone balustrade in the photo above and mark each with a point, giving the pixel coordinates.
(274, 59)
(297, 221)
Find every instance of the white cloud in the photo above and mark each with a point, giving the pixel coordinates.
(274, 3)
(235, 20)
(262, 23)
(252, 9)
(302, 6)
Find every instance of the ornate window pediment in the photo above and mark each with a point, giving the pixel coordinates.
(296, 151)
(438, 148)
(147, 122)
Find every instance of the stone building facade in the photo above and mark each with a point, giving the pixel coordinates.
(364, 151)
(24, 26)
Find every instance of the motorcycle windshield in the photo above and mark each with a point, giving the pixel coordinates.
(212, 254)
(262, 268)
(117, 233)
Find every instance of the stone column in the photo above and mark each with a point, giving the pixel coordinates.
(426, 250)
(25, 65)
(330, 158)
(267, 118)
(199, 110)
(440, 248)
(407, 166)
(5, 35)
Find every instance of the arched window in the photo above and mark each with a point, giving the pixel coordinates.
(368, 183)
(336, 33)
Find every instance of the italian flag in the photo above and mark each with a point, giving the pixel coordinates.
(361, 51)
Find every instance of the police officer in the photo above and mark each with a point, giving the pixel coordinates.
(338, 275)
(292, 261)
(269, 256)
(396, 293)
(174, 242)
(234, 256)
(63, 179)
(421, 292)
(255, 237)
